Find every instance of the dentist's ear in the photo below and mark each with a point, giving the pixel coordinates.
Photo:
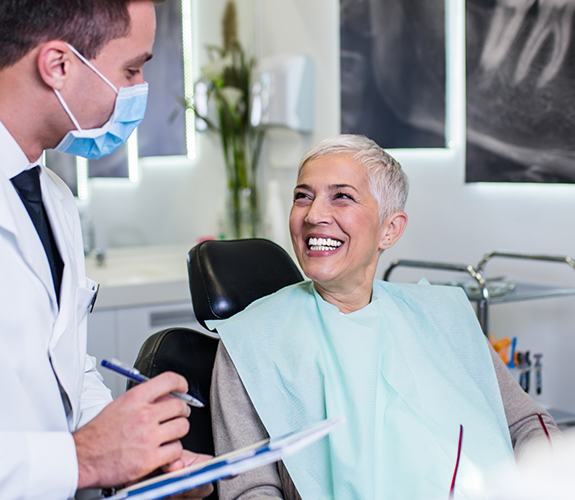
(55, 62)
(392, 229)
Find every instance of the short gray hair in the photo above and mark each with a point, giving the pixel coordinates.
(387, 181)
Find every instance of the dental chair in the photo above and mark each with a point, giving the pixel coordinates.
(225, 277)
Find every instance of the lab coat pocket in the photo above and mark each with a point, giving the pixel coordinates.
(85, 299)
(68, 351)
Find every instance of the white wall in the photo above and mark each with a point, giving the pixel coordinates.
(448, 220)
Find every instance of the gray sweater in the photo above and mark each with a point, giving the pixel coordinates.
(236, 425)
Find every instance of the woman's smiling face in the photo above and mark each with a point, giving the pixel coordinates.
(334, 223)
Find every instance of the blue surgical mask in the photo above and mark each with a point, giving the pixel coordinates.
(128, 113)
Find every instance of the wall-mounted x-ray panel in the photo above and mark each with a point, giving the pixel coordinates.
(520, 91)
(393, 74)
(163, 131)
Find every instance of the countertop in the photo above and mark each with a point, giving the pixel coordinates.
(140, 276)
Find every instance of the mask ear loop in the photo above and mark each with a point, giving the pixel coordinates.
(67, 109)
(95, 70)
(92, 67)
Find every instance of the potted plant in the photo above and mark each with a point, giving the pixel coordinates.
(222, 105)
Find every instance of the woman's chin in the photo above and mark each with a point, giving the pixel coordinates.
(326, 280)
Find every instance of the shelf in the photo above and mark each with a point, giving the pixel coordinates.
(485, 293)
(521, 291)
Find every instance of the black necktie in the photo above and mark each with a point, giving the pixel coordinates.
(27, 185)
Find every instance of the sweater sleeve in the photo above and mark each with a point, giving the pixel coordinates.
(521, 411)
(235, 425)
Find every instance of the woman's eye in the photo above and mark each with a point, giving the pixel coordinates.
(343, 196)
(299, 196)
(133, 72)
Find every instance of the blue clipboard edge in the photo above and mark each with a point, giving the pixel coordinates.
(229, 464)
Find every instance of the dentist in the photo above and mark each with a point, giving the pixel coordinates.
(70, 79)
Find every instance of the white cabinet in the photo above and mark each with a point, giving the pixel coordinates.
(119, 333)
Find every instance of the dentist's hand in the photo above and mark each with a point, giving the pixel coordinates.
(134, 435)
(188, 458)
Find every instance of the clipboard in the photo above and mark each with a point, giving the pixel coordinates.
(231, 464)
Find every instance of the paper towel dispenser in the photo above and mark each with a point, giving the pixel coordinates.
(282, 92)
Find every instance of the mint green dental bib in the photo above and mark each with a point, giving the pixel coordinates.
(405, 371)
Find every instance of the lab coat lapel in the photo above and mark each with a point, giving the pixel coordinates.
(65, 341)
(15, 219)
(62, 222)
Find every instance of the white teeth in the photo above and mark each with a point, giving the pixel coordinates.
(323, 244)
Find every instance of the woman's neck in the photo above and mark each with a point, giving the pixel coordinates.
(347, 300)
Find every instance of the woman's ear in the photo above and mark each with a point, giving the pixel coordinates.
(393, 227)
(54, 63)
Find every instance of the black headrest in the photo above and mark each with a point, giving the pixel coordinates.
(227, 276)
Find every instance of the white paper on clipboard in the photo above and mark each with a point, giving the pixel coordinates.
(259, 454)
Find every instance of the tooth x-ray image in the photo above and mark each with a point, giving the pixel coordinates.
(520, 91)
(520, 82)
(393, 71)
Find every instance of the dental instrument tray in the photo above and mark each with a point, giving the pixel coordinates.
(495, 287)
(485, 291)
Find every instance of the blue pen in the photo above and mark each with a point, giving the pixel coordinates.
(135, 375)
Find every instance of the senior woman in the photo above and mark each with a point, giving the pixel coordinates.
(407, 365)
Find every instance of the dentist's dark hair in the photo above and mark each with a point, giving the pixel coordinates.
(86, 24)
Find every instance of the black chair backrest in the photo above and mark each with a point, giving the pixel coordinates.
(192, 355)
(227, 276)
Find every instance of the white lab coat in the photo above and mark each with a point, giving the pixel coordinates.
(38, 342)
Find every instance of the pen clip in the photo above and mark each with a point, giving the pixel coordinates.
(124, 366)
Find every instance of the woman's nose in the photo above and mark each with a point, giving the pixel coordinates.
(319, 213)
